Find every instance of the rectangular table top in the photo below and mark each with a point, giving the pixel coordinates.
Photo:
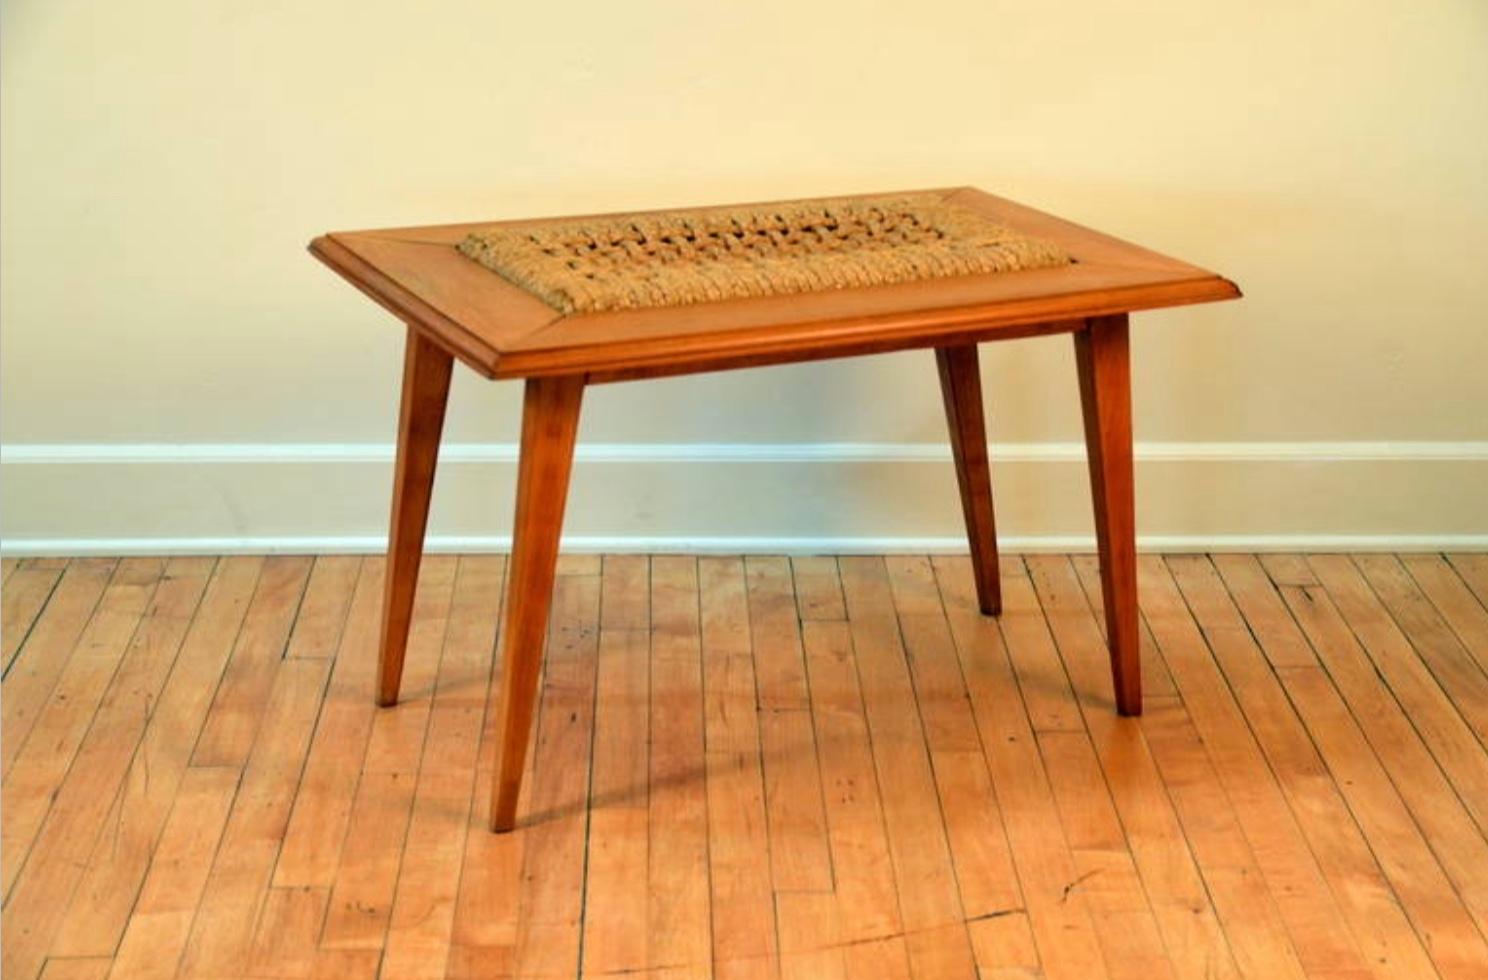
(504, 331)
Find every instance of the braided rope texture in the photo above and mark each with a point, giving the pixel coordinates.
(675, 258)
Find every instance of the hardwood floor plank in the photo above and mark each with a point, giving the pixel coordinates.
(223, 931)
(346, 964)
(232, 722)
(981, 856)
(1041, 678)
(41, 763)
(1182, 907)
(1067, 944)
(419, 928)
(422, 924)
(1124, 924)
(1364, 894)
(33, 673)
(286, 942)
(324, 608)
(1240, 772)
(289, 927)
(1142, 884)
(461, 740)
(810, 936)
(466, 663)
(928, 897)
(1446, 929)
(867, 899)
(1005, 946)
(293, 918)
(1262, 608)
(1454, 601)
(818, 588)
(800, 859)
(579, 564)
(615, 903)
(548, 930)
(138, 745)
(679, 920)
(1452, 741)
(1473, 570)
(780, 669)
(625, 592)
(80, 822)
(362, 898)
(1417, 620)
(744, 940)
(1286, 570)
(160, 922)
(462, 733)
(1247, 908)
(322, 805)
(1400, 749)
(399, 732)
(114, 727)
(877, 959)
(87, 968)
(751, 767)
(56, 563)
(1188, 915)
(1106, 875)
(23, 596)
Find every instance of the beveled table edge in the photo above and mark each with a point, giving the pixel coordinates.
(503, 332)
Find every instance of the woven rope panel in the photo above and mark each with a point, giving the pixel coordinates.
(673, 258)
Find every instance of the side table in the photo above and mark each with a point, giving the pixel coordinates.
(567, 303)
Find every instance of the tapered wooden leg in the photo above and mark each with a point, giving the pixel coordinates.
(1104, 362)
(550, 421)
(961, 388)
(426, 378)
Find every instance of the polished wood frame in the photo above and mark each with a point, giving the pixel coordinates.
(454, 308)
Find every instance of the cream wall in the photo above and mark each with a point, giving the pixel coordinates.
(176, 372)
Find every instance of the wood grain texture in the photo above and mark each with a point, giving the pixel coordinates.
(550, 424)
(503, 331)
(426, 381)
(45, 654)
(26, 589)
(454, 308)
(961, 391)
(99, 835)
(65, 718)
(1102, 356)
(1299, 800)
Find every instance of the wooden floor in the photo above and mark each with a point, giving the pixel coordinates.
(752, 767)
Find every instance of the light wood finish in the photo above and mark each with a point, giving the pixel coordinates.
(550, 424)
(453, 307)
(63, 721)
(27, 587)
(1103, 360)
(1301, 799)
(426, 380)
(961, 390)
(504, 332)
(33, 672)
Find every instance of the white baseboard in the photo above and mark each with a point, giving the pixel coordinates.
(445, 544)
(793, 498)
(23, 454)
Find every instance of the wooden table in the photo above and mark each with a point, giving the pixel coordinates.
(456, 308)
